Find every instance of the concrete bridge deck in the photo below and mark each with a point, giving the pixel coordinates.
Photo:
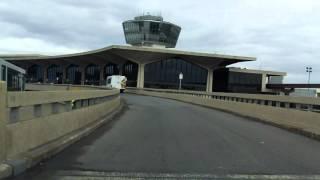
(157, 135)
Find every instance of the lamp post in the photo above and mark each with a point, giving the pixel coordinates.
(309, 71)
(180, 79)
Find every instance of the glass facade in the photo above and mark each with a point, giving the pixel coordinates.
(245, 82)
(164, 74)
(54, 74)
(35, 73)
(73, 74)
(220, 80)
(15, 80)
(151, 30)
(111, 69)
(92, 74)
(130, 70)
(228, 81)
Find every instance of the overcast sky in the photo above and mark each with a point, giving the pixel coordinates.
(283, 34)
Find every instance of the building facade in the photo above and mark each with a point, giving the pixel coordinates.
(239, 80)
(151, 61)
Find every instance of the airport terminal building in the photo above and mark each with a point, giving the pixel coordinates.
(149, 61)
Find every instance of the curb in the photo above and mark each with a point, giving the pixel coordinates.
(18, 165)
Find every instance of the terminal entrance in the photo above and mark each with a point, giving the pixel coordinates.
(54, 74)
(130, 70)
(35, 73)
(111, 69)
(73, 74)
(92, 74)
(164, 74)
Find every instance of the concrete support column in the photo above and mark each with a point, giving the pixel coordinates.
(263, 83)
(140, 78)
(101, 79)
(209, 80)
(3, 120)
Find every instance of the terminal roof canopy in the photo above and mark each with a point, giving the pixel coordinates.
(143, 55)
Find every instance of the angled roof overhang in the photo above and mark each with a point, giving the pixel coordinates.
(120, 54)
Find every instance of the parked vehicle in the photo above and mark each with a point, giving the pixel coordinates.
(117, 81)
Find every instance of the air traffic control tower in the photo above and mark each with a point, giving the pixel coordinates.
(152, 31)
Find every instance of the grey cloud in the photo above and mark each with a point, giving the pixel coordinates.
(65, 24)
(283, 35)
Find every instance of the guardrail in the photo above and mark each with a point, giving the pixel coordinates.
(297, 103)
(33, 120)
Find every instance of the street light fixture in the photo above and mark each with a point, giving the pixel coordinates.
(309, 71)
(180, 79)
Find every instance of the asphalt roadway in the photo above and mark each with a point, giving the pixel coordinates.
(157, 136)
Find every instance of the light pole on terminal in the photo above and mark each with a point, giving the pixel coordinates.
(180, 79)
(309, 71)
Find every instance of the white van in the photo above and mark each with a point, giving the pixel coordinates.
(117, 81)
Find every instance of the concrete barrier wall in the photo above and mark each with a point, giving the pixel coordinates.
(305, 122)
(60, 87)
(34, 119)
(25, 98)
(41, 87)
(3, 122)
(30, 134)
(297, 103)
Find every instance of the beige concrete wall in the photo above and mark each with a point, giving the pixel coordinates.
(3, 118)
(60, 87)
(301, 120)
(30, 134)
(39, 87)
(31, 119)
(289, 99)
(26, 98)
